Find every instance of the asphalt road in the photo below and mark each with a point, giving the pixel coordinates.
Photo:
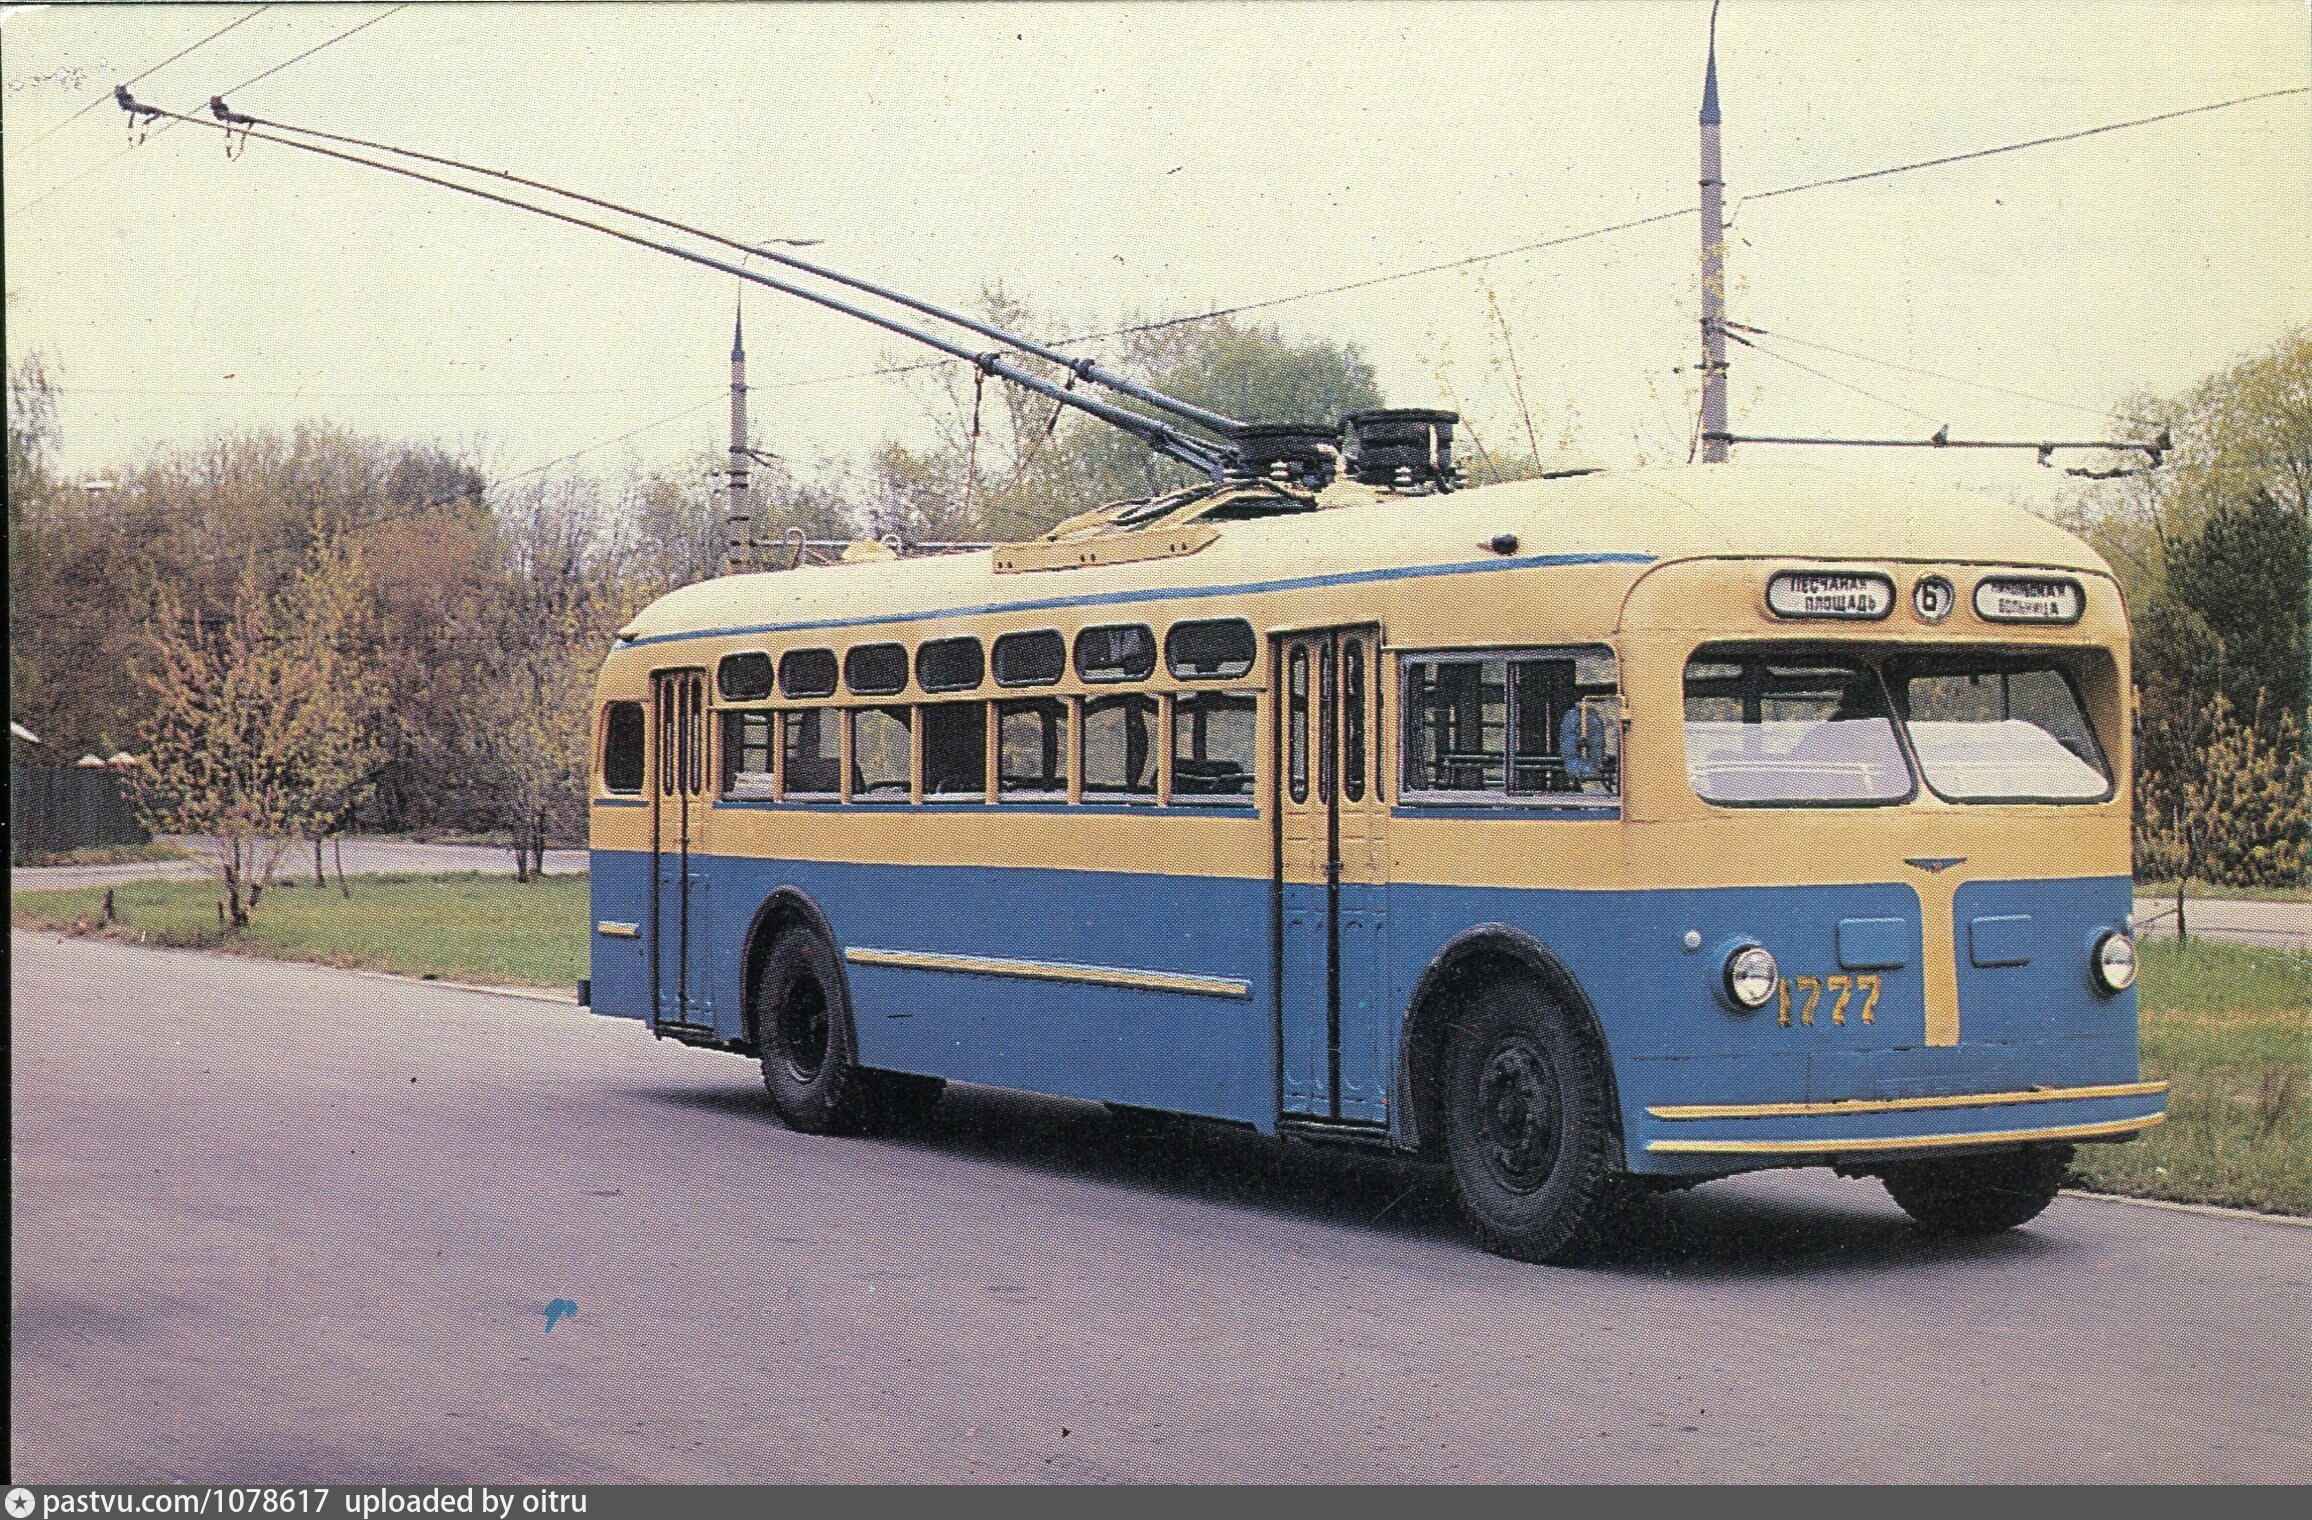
(2277, 925)
(275, 1223)
(364, 856)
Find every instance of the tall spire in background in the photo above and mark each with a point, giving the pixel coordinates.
(1713, 266)
(738, 536)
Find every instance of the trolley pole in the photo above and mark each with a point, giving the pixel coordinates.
(1713, 268)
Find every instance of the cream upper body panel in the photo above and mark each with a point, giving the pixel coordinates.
(1387, 559)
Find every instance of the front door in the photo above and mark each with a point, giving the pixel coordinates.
(678, 916)
(1332, 876)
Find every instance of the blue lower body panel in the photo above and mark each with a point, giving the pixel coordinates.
(1161, 992)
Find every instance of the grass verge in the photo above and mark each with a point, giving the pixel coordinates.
(2229, 1027)
(458, 927)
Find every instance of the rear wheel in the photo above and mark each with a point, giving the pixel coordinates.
(803, 1035)
(1529, 1125)
(1978, 1195)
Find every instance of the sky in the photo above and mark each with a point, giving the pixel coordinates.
(1120, 161)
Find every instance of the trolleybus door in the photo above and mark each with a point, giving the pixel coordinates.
(1332, 875)
(678, 794)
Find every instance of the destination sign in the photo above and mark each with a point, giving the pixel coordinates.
(1827, 594)
(2021, 599)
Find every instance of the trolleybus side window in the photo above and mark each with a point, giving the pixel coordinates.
(1120, 746)
(1215, 649)
(1213, 734)
(747, 754)
(1543, 727)
(1033, 744)
(623, 729)
(880, 758)
(950, 665)
(955, 749)
(1353, 720)
(744, 677)
(814, 757)
(1118, 652)
(1791, 725)
(876, 670)
(807, 673)
(1998, 728)
(1030, 659)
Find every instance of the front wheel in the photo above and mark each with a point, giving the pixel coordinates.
(1529, 1126)
(802, 1028)
(1978, 1195)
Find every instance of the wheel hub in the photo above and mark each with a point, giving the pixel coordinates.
(1518, 1114)
(803, 1028)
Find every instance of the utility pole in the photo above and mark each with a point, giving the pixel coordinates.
(1713, 267)
(738, 536)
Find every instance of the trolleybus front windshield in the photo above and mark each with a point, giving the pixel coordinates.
(1790, 725)
(1998, 728)
(1799, 725)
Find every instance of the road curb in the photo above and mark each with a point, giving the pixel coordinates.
(527, 994)
(2214, 1211)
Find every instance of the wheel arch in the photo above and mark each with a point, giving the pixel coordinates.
(1477, 953)
(784, 908)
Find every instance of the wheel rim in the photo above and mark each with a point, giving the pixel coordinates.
(803, 1028)
(1519, 1111)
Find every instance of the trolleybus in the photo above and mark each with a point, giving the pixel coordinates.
(1586, 835)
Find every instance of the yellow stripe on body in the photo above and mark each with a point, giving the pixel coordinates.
(1052, 971)
(1900, 1142)
(1901, 1105)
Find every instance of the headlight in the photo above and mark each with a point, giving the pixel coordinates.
(2114, 961)
(1751, 976)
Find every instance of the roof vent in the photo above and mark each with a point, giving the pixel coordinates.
(1404, 448)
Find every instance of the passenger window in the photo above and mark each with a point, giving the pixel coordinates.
(1213, 738)
(807, 673)
(880, 758)
(623, 729)
(1353, 720)
(1030, 659)
(955, 749)
(1033, 745)
(1541, 727)
(950, 665)
(747, 754)
(813, 752)
(1120, 747)
(876, 670)
(744, 677)
(1118, 652)
(1217, 649)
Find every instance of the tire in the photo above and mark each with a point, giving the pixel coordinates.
(1978, 1195)
(1529, 1126)
(802, 1023)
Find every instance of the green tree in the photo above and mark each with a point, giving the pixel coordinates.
(2244, 430)
(1009, 463)
(259, 733)
(2243, 574)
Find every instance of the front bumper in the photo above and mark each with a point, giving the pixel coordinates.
(1722, 1136)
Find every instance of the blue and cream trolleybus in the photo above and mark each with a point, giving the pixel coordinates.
(1587, 835)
